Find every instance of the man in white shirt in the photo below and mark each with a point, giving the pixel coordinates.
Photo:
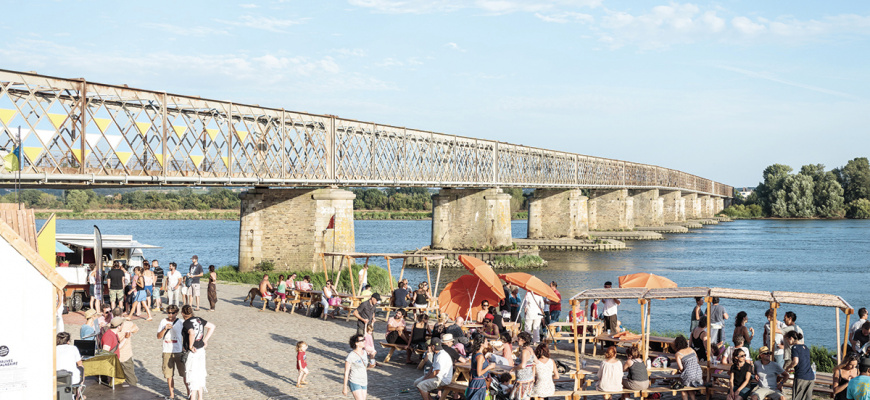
(534, 313)
(862, 318)
(68, 357)
(173, 284)
(170, 332)
(610, 309)
(441, 373)
(363, 277)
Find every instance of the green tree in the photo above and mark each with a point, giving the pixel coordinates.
(768, 195)
(799, 196)
(854, 177)
(827, 192)
(77, 200)
(859, 209)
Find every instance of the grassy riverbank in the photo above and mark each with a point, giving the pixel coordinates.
(224, 215)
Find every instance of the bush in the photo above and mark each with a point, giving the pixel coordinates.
(859, 209)
(742, 211)
(823, 358)
(265, 266)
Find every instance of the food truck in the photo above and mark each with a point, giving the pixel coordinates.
(76, 264)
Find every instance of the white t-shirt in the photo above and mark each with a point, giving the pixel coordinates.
(172, 341)
(173, 278)
(444, 364)
(363, 277)
(533, 306)
(610, 307)
(67, 358)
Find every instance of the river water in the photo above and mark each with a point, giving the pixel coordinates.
(809, 256)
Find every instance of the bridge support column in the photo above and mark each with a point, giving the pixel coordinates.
(693, 205)
(648, 207)
(673, 206)
(558, 213)
(289, 227)
(706, 206)
(727, 203)
(471, 218)
(610, 210)
(720, 205)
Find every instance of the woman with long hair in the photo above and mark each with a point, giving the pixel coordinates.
(545, 373)
(699, 338)
(355, 365)
(140, 296)
(844, 373)
(480, 368)
(687, 363)
(740, 329)
(740, 375)
(418, 336)
(525, 368)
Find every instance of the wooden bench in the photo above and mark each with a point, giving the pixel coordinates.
(394, 347)
(583, 394)
(454, 387)
(562, 394)
(673, 392)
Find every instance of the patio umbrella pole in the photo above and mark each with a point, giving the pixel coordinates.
(437, 279)
(709, 338)
(471, 302)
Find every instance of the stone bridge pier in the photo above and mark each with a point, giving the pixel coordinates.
(648, 207)
(610, 210)
(673, 206)
(706, 206)
(290, 226)
(471, 218)
(693, 205)
(558, 213)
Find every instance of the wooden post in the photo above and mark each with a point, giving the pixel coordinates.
(642, 303)
(648, 330)
(839, 354)
(402, 271)
(577, 365)
(437, 280)
(390, 271)
(353, 285)
(338, 276)
(428, 275)
(846, 335)
(325, 272)
(774, 326)
(709, 301)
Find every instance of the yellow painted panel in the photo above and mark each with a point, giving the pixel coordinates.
(196, 160)
(179, 130)
(7, 115)
(33, 153)
(242, 135)
(212, 133)
(159, 158)
(78, 153)
(124, 156)
(45, 241)
(57, 119)
(226, 161)
(102, 123)
(143, 127)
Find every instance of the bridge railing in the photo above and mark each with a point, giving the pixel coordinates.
(76, 132)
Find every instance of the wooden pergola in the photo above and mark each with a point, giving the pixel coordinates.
(350, 256)
(774, 299)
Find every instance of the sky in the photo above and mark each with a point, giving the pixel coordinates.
(717, 89)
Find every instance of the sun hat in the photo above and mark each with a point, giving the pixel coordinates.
(447, 337)
(764, 350)
(90, 313)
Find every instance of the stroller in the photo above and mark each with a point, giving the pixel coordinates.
(497, 391)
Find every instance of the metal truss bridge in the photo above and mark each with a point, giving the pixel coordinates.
(77, 133)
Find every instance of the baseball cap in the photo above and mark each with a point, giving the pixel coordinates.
(376, 296)
(116, 322)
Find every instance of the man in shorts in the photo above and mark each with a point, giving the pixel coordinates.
(195, 272)
(611, 308)
(116, 285)
(170, 332)
(441, 373)
(770, 377)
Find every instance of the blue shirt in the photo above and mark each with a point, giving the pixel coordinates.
(515, 300)
(859, 388)
(803, 370)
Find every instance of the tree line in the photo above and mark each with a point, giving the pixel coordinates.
(390, 199)
(812, 192)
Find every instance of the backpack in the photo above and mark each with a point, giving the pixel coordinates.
(562, 367)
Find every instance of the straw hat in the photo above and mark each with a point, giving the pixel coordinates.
(90, 313)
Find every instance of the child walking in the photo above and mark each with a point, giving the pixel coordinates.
(369, 346)
(301, 363)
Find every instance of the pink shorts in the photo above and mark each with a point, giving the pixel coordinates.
(282, 296)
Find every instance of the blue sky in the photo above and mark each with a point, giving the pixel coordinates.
(717, 89)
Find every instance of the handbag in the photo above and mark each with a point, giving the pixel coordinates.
(677, 385)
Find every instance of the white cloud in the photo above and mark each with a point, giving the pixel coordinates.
(394, 63)
(747, 27)
(454, 46)
(249, 6)
(264, 23)
(199, 31)
(565, 17)
(350, 52)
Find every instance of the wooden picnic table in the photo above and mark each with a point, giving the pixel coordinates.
(462, 371)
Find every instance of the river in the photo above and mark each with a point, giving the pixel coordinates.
(793, 255)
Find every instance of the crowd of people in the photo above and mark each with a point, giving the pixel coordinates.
(138, 292)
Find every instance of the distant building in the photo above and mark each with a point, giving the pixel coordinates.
(745, 192)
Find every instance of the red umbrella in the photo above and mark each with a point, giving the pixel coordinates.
(463, 296)
(483, 271)
(530, 283)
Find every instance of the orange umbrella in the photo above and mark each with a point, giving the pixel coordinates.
(463, 296)
(483, 271)
(645, 280)
(530, 283)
